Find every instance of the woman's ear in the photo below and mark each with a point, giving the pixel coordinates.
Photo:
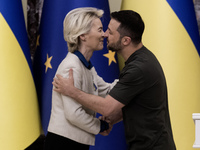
(82, 37)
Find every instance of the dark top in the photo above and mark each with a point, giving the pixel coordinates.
(83, 60)
(142, 89)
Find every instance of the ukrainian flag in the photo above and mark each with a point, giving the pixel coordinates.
(171, 33)
(19, 113)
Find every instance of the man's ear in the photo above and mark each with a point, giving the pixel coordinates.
(126, 40)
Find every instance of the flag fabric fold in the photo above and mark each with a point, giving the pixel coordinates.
(52, 49)
(171, 33)
(19, 112)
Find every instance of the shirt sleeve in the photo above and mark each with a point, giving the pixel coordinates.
(130, 84)
(104, 87)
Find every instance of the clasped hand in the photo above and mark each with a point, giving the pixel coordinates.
(106, 132)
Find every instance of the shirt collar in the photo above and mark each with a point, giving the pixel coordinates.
(133, 55)
(83, 60)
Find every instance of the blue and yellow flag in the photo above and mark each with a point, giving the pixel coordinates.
(19, 113)
(52, 50)
(171, 33)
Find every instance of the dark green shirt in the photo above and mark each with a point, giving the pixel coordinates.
(142, 89)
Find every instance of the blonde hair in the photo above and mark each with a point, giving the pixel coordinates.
(77, 22)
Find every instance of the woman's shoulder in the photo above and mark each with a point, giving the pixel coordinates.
(70, 60)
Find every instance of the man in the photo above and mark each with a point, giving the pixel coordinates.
(140, 94)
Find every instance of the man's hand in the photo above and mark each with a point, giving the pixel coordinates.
(64, 85)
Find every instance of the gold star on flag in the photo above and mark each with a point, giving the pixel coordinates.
(111, 56)
(48, 63)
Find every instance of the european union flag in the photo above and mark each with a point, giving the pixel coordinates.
(19, 112)
(51, 51)
(171, 33)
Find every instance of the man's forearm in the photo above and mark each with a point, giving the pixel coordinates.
(116, 118)
(93, 102)
(108, 106)
(97, 104)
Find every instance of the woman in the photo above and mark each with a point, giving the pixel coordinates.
(71, 124)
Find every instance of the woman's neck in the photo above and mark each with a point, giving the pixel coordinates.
(86, 53)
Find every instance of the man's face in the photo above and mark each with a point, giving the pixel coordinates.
(113, 36)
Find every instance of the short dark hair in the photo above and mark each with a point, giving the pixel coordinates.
(131, 24)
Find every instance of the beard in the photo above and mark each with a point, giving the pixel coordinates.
(115, 46)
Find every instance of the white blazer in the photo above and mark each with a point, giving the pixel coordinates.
(69, 118)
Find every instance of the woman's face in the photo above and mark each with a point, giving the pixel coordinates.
(94, 39)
